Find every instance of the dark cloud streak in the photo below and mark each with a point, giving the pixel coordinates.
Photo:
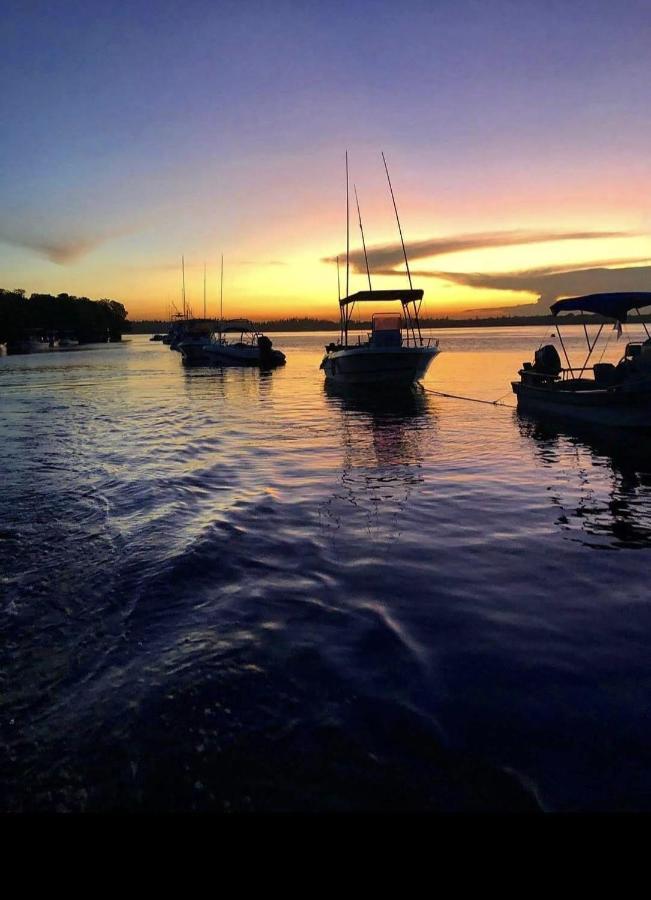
(386, 259)
(62, 250)
(551, 284)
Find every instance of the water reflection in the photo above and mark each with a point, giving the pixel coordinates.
(601, 484)
(246, 383)
(382, 458)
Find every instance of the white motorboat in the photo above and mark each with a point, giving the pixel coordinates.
(395, 351)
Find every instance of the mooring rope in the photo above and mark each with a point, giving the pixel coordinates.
(497, 402)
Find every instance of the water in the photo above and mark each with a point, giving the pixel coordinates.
(241, 591)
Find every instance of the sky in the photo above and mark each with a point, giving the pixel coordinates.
(517, 136)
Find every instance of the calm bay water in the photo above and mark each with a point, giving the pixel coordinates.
(239, 591)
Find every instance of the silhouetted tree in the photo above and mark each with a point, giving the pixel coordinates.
(89, 320)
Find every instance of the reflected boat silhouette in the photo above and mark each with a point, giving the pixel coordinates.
(625, 517)
(382, 455)
(235, 384)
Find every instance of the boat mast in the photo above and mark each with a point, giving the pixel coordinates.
(204, 290)
(361, 228)
(404, 252)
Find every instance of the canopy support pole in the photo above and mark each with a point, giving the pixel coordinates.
(643, 323)
(560, 337)
(341, 327)
(590, 346)
(417, 318)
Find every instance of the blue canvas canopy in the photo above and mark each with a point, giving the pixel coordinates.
(612, 306)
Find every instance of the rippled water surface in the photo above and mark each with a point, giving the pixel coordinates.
(240, 591)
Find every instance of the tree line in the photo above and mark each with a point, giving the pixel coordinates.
(308, 324)
(44, 315)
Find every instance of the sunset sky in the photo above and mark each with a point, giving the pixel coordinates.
(518, 136)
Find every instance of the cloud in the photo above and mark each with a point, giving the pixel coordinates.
(550, 283)
(384, 260)
(64, 248)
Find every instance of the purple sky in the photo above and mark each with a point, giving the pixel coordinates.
(134, 132)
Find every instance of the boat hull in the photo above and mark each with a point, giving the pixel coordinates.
(21, 347)
(618, 407)
(212, 354)
(378, 366)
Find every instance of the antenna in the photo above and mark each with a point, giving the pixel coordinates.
(361, 228)
(204, 290)
(397, 220)
(221, 294)
(347, 229)
(183, 270)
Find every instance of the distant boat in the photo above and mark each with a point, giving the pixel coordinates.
(601, 393)
(395, 352)
(189, 331)
(66, 341)
(31, 343)
(248, 348)
(181, 326)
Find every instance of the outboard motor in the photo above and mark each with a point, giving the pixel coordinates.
(547, 361)
(266, 353)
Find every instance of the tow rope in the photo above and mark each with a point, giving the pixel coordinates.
(497, 402)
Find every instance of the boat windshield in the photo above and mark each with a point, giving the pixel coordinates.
(387, 322)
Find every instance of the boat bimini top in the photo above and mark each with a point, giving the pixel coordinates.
(411, 299)
(612, 306)
(409, 295)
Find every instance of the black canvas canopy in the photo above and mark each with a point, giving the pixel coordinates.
(405, 296)
(612, 306)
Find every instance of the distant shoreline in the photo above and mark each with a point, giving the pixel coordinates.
(147, 326)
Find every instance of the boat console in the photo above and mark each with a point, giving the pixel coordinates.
(386, 330)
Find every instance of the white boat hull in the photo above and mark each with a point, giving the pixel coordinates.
(377, 365)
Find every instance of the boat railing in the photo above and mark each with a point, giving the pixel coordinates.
(410, 341)
(564, 374)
